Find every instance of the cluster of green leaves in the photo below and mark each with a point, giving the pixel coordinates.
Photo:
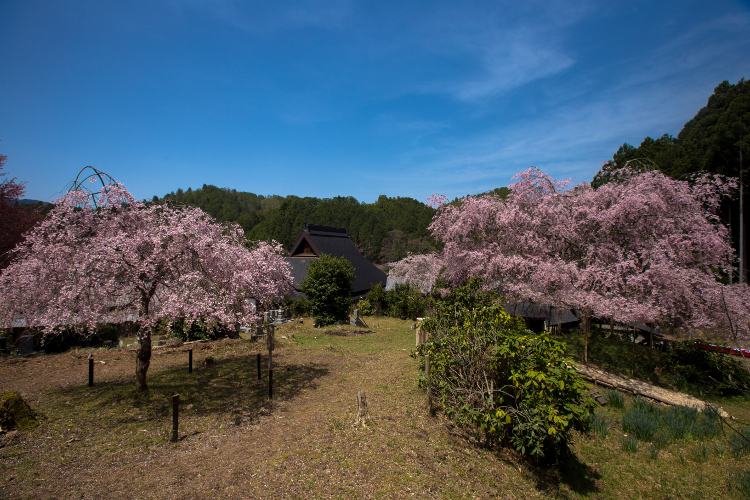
(198, 330)
(299, 306)
(61, 339)
(386, 231)
(490, 374)
(328, 287)
(403, 302)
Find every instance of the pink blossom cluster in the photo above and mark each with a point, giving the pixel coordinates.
(124, 260)
(420, 270)
(642, 248)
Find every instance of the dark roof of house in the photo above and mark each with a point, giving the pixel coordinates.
(316, 240)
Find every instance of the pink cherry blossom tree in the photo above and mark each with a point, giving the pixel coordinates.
(419, 270)
(109, 258)
(644, 247)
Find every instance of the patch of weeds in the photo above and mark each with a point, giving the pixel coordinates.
(739, 443)
(643, 404)
(630, 443)
(699, 453)
(679, 420)
(599, 424)
(640, 422)
(615, 398)
(739, 479)
(660, 439)
(719, 449)
(653, 451)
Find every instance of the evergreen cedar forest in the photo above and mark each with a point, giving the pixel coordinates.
(389, 229)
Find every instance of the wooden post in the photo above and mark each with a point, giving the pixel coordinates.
(427, 378)
(257, 363)
(175, 417)
(363, 414)
(190, 361)
(91, 370)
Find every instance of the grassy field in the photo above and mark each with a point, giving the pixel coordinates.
(110, 441)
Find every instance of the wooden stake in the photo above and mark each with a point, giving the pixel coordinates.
(257, 363)
(91, 370)
(363, 414)
(190, 361)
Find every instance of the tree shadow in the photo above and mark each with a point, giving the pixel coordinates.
(222, 387)
(570, 471)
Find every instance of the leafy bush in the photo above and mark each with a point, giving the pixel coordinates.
(198, 330)
(513, 388)
(328, 286)
(61, 339)
(299, 306)
(406, 302)
(365, 308)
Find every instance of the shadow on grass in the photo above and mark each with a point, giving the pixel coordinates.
(570, 471)
(226, 386)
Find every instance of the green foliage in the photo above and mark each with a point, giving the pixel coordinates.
(15, 413)
(649, 422)
(300, 307)
(405, 302)
(378, 299)
(328, 286)
(515, 389)
(61, 339)
(198, 330)
(706, 370)
(365, 307)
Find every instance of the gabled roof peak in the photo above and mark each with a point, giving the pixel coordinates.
(320, 230)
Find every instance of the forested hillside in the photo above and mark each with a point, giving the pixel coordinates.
(385, 231)
(715, 140)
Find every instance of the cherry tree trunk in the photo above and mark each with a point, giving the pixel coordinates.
(142, 361)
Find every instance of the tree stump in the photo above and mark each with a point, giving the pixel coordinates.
(363, 414)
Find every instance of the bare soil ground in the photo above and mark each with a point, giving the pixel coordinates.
(111, 442)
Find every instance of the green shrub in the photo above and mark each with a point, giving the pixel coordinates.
(365, 308)
(514, 389)
(300, 307)
(328, 286)
(198, 330)
(406, 302)
(15, 413)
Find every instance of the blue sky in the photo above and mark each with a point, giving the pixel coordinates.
(328, 98)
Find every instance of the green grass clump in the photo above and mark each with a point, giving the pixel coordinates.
(630, 443)
(739, 443)
(641, 423)
(739, 479)
(699, 453)
(615, 398)
(599, 424)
